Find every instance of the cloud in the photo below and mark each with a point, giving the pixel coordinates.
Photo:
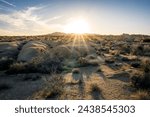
(4, 32)
(8, 3)
(29, 22)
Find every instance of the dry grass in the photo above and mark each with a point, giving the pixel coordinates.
(96, 92)
(21, 67)
(94, 87)
(82, 61)
(140, 95)
(140, 80)
(137, 49)
(54, 88)
(146, 65)
(44, 64)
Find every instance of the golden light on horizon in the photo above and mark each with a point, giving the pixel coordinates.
(78, 26)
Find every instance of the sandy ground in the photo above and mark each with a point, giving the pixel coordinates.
(104, 77)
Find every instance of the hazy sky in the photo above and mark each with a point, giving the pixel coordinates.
(30, 17)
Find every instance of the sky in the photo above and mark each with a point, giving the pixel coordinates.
(34, 17)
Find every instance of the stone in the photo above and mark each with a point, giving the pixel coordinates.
(9, 49)
(31, 50)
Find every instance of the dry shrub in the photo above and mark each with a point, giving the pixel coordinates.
(125, 49)
(21, 68)
(83, 61)
(146, 65)
(55, 85)
(42, 64)
(96, 92)
(54, 88)
(141, 80)
(140, 95)
(95, 88)
(137, 50)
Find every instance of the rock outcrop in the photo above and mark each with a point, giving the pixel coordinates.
(9, 49)
(31, 50)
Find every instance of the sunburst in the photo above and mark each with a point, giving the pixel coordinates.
(79, 26)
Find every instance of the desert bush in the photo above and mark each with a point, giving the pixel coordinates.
(143, 50)
(138, 50)
(96, 92)
(49, 65)
(82, 61)
(55, 82)
(140, 95)
(21, 68)
(54, 88)
(94, 87)
(141, 80)
(43, 64)
(125, 49)
(146, 65)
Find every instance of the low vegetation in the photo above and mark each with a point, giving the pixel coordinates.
(44, 64)
(67, 67)
(141, 95)
(142, 80)
(53, 89)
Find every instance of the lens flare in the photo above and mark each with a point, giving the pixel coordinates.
(79, 26)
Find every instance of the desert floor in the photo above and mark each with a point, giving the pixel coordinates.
(73, 67)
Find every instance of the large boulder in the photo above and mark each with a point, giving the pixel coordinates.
(31, 50)
(9, 49)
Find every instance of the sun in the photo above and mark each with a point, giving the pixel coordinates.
(78, 26)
